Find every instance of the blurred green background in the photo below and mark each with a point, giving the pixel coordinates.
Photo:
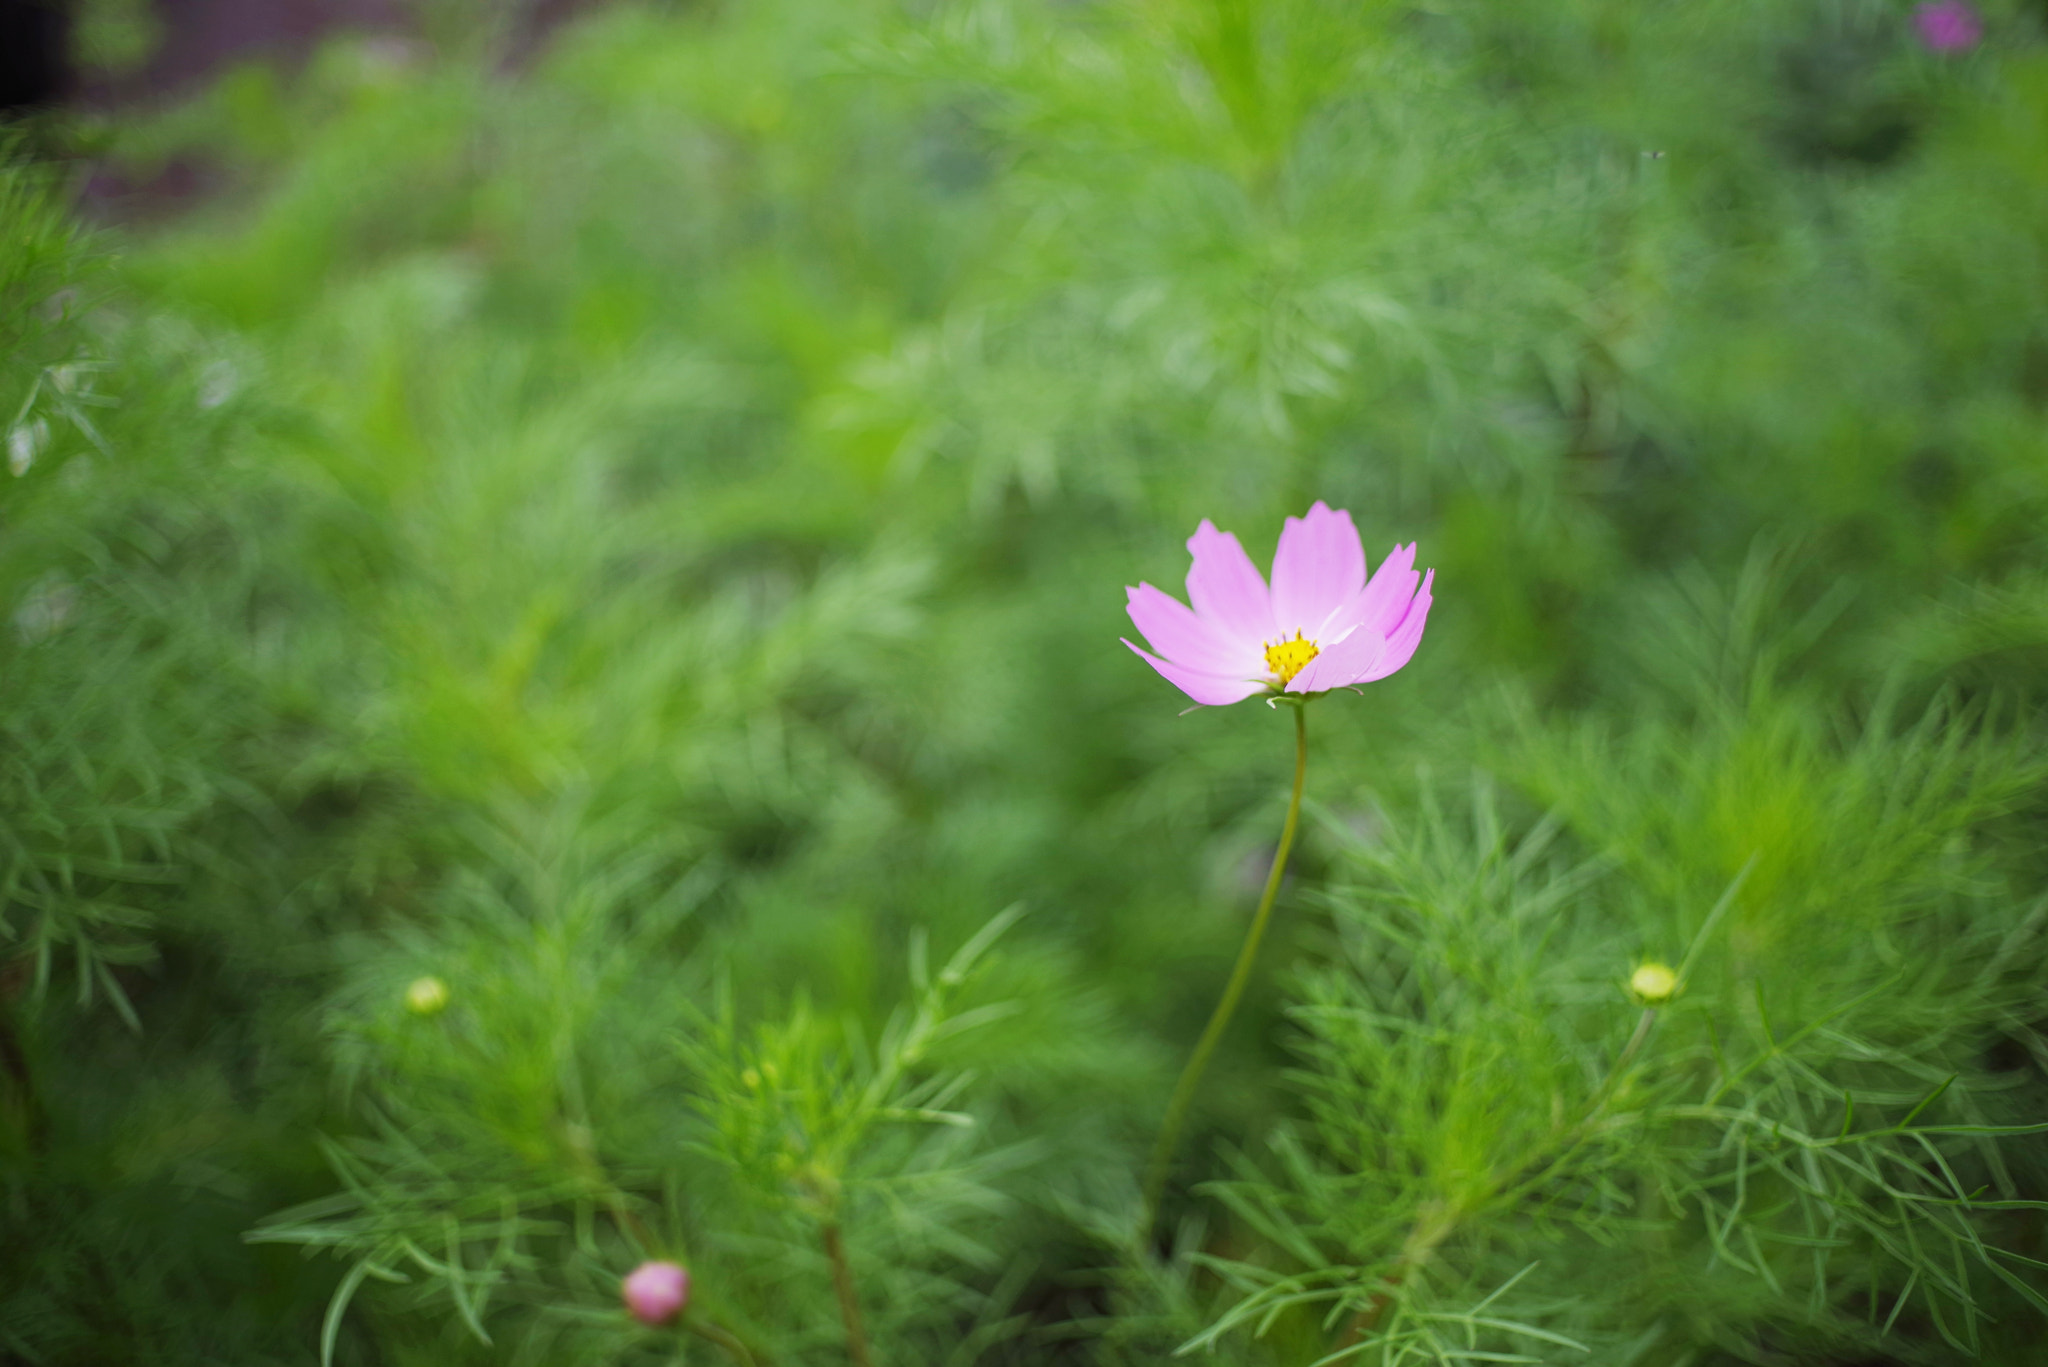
(632, 523)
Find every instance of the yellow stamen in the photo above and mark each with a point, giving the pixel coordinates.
(1289, 658)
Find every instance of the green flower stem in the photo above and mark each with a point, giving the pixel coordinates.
(731, 1343)
(1537, 1171)
(849, 1306)
(1432, 1227)
(1219, 1021)
(643, 1241)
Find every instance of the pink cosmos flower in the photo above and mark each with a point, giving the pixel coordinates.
(656, 1292)
(1321, 625)
(1948, 25)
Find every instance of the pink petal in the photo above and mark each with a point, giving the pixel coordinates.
(1341, 664)
(1192, 642)
(1367, 654)
(1319, 567)
(1408, 635)
(1379, 607)
(1211, 690)
(1225, 587)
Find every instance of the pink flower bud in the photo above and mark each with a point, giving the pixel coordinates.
(656, 1292)
(1948, 25)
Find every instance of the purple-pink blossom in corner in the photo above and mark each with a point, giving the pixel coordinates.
(656, 1292)
(1320, 624)
(1948, 25)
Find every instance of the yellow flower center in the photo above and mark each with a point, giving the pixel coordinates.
(1289, 658)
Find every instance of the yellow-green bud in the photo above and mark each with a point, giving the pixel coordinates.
(426, 996)
(1652, 984)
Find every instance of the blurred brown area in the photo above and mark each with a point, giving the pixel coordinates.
(202, 36)
(194, 41)
(197, 38)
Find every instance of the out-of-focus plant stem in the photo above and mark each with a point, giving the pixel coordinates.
(730, 1342)
(1435, 1226)
(1226, 1006)
(635, 1229)
(1531, 1175)
(631, 1225)
(849, 1304)
(1431, 1228)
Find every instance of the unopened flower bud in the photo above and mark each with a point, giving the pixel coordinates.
(1653, 984)
(656, 1292)
(1948, 25)
(426, 996)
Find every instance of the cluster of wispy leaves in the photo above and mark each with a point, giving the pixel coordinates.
(1822, 1137)
(630, 528)
(569, 1113)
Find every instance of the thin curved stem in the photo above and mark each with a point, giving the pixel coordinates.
(1226, 1006)
(1431, 1228)
(734, 1348)
(849, 1304)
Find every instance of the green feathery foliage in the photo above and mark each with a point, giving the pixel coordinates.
(528, 605)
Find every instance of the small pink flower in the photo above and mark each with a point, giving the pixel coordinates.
(1948, 25)
(656, 1292)
(1321, 625)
